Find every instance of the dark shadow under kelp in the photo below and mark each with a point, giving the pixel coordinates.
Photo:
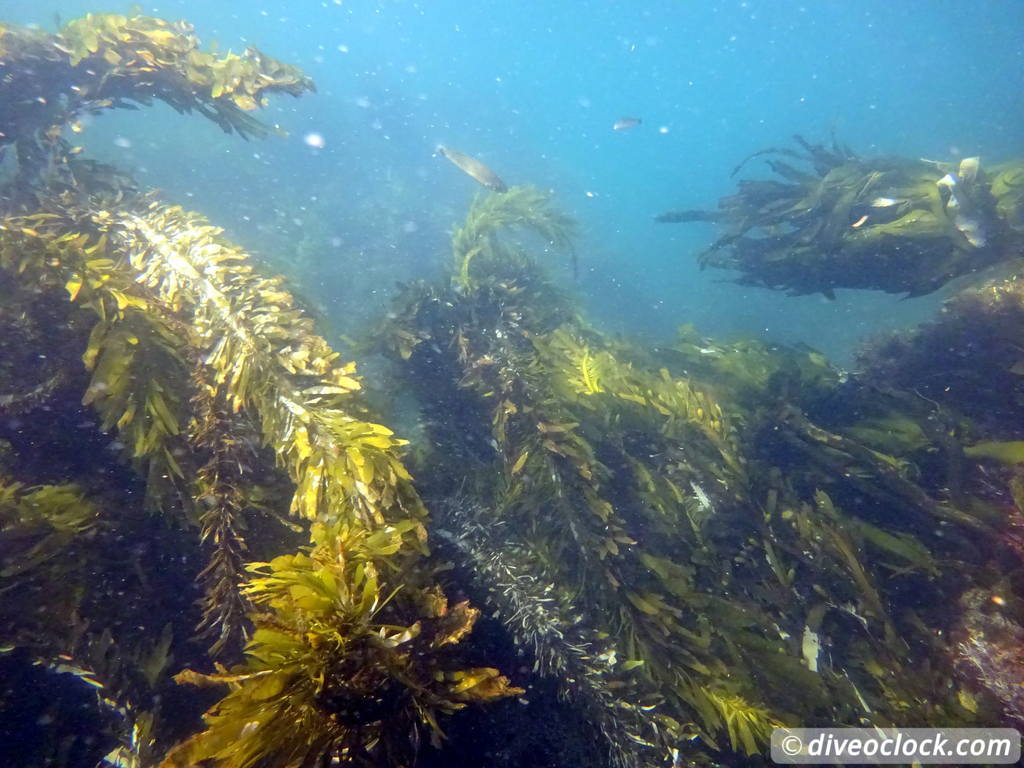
(830, 219)
(678, 548)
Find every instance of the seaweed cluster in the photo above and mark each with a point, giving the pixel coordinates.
(699, 542)
(206, 527)
(108, 61)
(242, 431)
(829, 219)
(196, 362)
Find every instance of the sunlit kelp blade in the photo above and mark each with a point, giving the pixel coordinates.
(327, 672)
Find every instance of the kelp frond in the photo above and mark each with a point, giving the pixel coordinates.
(748, 727)
(881, 223)
(328, 672)
(524, 208)
(109, 61)
(548, 633)
(112, 59)
(161, 280)
(259, 351)
(39, 523)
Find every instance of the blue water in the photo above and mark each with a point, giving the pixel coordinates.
(533, 88)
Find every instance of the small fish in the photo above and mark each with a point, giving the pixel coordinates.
(625, 123)
(885, 202)
(474, 169)
(859, 222)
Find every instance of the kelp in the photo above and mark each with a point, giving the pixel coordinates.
(476, 242)
(693, 544)
(882, 223)
(43, 531)
(112, 58)
(967, 360)
(220, 392)
(162, 283)
(546, 627)
(328, 671)
(967, 364)
(109, 61)
(56, 572)
(749, 373)
(678, 532)
(564, 409)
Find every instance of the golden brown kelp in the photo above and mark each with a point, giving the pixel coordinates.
(211, 375)
(44, 531)
(69, 585)
(329, 673)
(705, 539)
(545, 625)
(968, 364)
(581, 454)
(161, 282)
(882, 223)
(477, 243)
(968, 360)
(105, 61)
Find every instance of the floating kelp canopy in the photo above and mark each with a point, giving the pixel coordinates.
(828, 219)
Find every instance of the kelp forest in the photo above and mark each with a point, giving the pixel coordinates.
(221, 546)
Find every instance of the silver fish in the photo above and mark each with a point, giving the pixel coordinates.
(474, 169)
(625, 123)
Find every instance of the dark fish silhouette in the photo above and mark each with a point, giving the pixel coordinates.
(474, 168)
